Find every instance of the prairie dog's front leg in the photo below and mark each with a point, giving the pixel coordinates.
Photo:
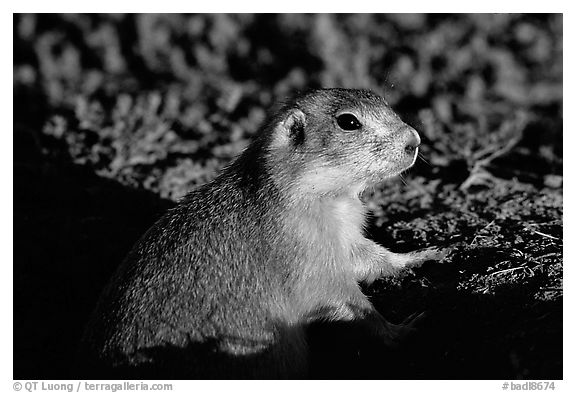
(372, 261)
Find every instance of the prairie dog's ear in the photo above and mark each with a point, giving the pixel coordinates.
(290, 130)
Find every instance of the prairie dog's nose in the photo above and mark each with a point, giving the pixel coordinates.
(413, 141)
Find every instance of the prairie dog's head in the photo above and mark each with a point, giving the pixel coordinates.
(339, 140)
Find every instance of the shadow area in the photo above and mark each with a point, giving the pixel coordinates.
(71, 230)
(335, 350)
(471, 333)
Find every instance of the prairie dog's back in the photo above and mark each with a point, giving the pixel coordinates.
(182, 285)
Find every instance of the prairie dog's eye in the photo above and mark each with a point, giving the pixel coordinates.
(348, 122)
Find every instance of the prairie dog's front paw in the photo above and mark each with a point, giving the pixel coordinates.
(429, 254)
(435, 253)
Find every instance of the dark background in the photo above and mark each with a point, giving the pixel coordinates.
(118, 116)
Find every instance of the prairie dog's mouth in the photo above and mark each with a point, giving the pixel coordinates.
(414, 152)
(405, 163)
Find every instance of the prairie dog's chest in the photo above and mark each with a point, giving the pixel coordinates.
(327, 236)
(332, 226)
(343, 220)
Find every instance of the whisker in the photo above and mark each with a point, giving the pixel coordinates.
(423, 159)
(403, 180)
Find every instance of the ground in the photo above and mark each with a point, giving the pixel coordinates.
(117, 116)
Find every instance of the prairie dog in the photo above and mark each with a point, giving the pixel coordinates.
(225, 284)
